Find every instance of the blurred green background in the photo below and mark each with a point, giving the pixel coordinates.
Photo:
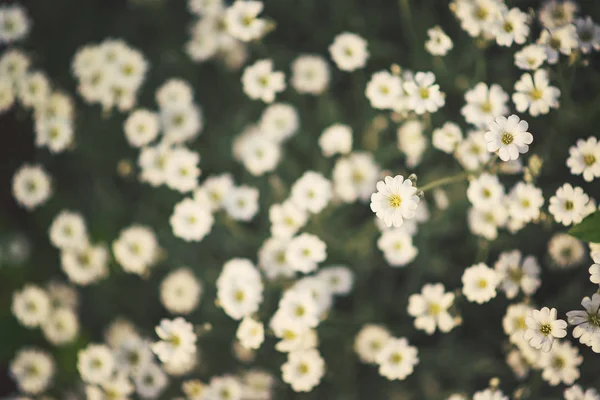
(86, 180)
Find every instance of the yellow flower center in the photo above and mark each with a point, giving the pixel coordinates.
(536, 94)
(507, 138)
(589, 159)
(395, 201)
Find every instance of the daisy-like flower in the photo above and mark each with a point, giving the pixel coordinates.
(587, 323)
(180, 291)
(479, 283)
(478, 17)
(439, 44)
(516, 276)
(565, 250)
(310, 74)
(561, 364)
(508, 137)
(337, 138)
(349, 51)
(303, 370)
(136, 249)
(530, 57)
(569, 205)
(595, 269)
(423, 94)
(14, 23)
(397, 359)
(486, 223)
(95, 363)
(178, 340)
(535, 94)
(32, 370)
(261, 82)
(279, 122)
(383, 90)
(395, 200)
(311, 192)
(511, 27)
(557, 13)
(472, 152)
(250, 333)
(141, 128)
(431, 309)
(31, 186)
(31, 306)
(485, 192)
(242, 22)
(524, 202)
(369, 342)
(305, 251)
(484, 104)
(584, 158)
(61, 326)
(514, 321)
(575, 392)
(447, 137)
(560, 40)
(543, 328)
(588, 34)
(191, 220)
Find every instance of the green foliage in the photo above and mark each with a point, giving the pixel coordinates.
(589, 229)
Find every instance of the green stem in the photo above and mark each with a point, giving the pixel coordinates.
(445, 181)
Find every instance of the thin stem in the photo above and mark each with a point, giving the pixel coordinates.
(445, 181)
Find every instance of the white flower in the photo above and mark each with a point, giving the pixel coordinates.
(242, 203)
(530, 57)
(479, 283)
(304, 252)
(431, 309)
(395, 200)
(150, 381)
(258, 384)
(569, 205)
(260, 155)
(153, 162)
(303, 370)
(423, 94)
(242, 22)
(369, 342)
(543, 328)
(555, 13)
(14, 23)
(61, 326)
(180, 291)
(68, 231)
(7, 94)
(397, 247)
(535, 94)
(286, 219)
(215, 188)
(181, 169)
(178, 340)
(412, 141)
(311, 192)
(565, 250)
(584, 158)
(298, 307)
(191, 221)
(397, 359)
(575, 392)
(310, 74)
(447, 137)
(472, 152)
(141, 127)
(31, 306)
(136, 249)
(349, 51)
(86, 265)
(355, 176)
(31, 186)
(174, 93)
(337, 138)
(587, 323)
(95, 363)
(559, 40)
(484, 104)
(383, 90)
(486, 223)
(279, 122)
(261, 82)
(32, 370)
(595, 269)
(516, 276)
(490, 394)
(588, 34)
(439, 44)
(524, 202)
(33, 89)
(250, 333)
(478, 17)
(561, 364)
(508, 137)
(272, 259)
(239, 288)
(512, 27)
(514, 321)
(339, 279)
(485, 192)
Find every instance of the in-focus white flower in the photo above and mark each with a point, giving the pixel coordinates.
(32, 370)
(397, 359)
(303, 370)
(530, 57)
(31, 186)
(177, 340)
(587, 323)
(535, 94)
(261, 82)
(508, 137)
(439, 44)
(484, 104)
(335, 139)
(543, 328)
(479, 283)
(349, 51)
(180, 291)
(310, 74)
(250, 333)
(395, 200)
(241, 20)
(584, 158)
(569, 205)
(423, 94)
(431, 309)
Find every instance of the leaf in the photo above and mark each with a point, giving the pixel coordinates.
(589, 229)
